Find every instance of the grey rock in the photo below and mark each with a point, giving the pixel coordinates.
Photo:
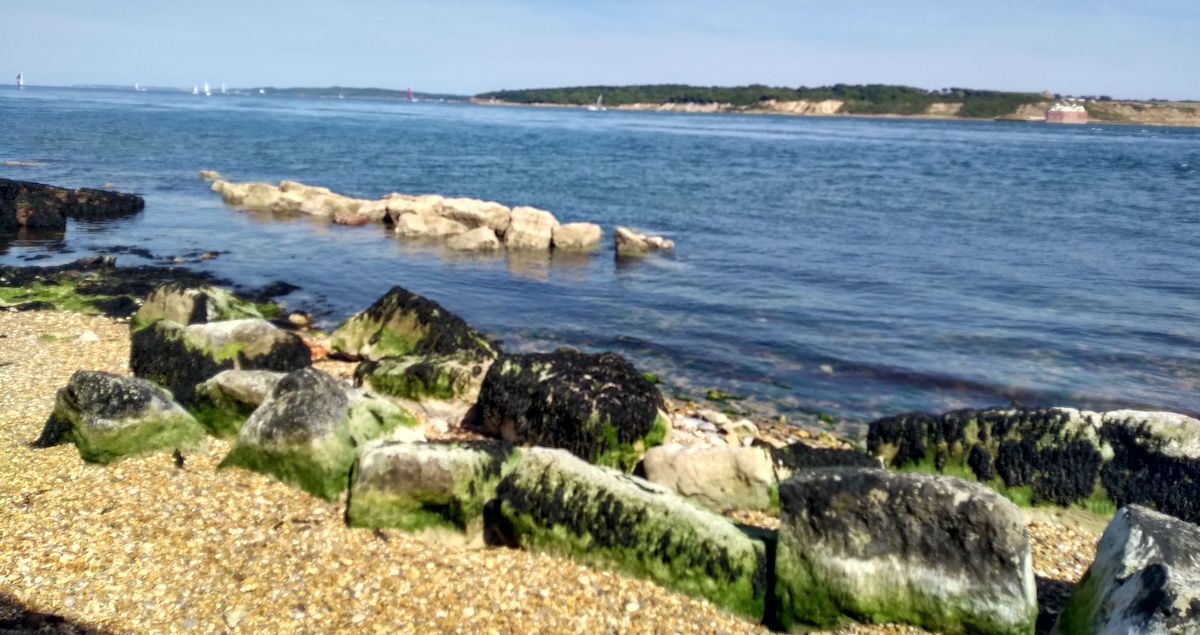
(222, 404)
(1145, 579)
(937, 552)
(187, 303)
(719, 478)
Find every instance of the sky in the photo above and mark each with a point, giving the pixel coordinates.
(1127, 49)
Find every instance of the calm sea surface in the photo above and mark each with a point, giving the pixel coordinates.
(854, 267)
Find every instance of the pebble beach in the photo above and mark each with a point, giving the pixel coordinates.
(144, 546)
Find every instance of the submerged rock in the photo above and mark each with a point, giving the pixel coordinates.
(556, 503)
(306, 432)
(598, 407)
(434, 490)
(870, 545)
(110, 417)
(180, 357)
(1145, 579)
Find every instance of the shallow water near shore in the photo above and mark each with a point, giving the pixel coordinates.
(853, 267)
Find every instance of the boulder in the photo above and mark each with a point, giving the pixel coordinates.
(876, 546)
(1057, 456)
(716, 477)
(222, 404)
(1145, 579)
(596, 406)
(476, 214)
(330, 205)
(401, 323)
(442, 386)
(307, 191)
(423, 226)
(630, 243)
(210, 175)
(556, 503)
(478, 239)
(350, 219)
(530, 228)
(306, 432)
(374, 211)
(28, 205)
(426, 205)
(110, 417)
(577, 236)
(179, 357)
(192, 303)
(435, 490)
(800, 456)
(255, 196)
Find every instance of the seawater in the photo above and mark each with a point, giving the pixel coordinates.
(846, 266)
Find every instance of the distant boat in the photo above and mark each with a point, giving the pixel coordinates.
(195, 91)
(20, 82)
(138, 88)
(262, 92)
(409, 93)
(206, 91)
(599, 105)
(222, 88)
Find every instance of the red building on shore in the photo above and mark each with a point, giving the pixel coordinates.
(1066, 112)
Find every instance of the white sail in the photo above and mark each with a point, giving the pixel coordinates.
(20, 81)
(599, 105)
(222, 88)
(206, 91)
(195, 91)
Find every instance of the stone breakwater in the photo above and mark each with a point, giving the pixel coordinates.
(460, 224)
(854, 542)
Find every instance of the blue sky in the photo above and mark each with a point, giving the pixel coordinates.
(1126, 49)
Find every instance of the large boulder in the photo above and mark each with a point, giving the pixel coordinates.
(556, 503)
(402, 323)
(424, 205)
(374, 211)
(596, 406)
(425, 226)
(630, 244)
(478, 239)
(442, 386)
(577, 236)
(718, 477)
(1145, 579)
(179, 357)
(306, 432)
(530, 229)
(110, 417)
(222, 404)
(191, 303)
(477, 214)
(434, 490)
(330, 205)
(1056, 456)
(254, 196)
(876, 546)
(24, 204)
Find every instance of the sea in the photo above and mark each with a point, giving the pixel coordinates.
(830, 270)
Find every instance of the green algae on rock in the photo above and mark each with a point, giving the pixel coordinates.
(190, 303)
(402, 323)
(223, 403)
(443, 386)
(883, 547)
(180, 357)
(110, 417)
(598, 407)
(554, 502)
(306, 432)
(435, 490)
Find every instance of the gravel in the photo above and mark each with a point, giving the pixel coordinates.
(144, 547)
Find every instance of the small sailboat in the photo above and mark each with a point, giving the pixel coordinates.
(409, 94)
(599, 105)
(20, 82)
(262, 92)
(222, 88)
(138, 88)
(195, 91)
(206, 91)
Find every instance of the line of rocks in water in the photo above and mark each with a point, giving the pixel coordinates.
(855, 541)
(462, 224)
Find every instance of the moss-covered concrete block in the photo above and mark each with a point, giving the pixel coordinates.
(190, 303)
(442, 386)
(306, 432)
(433, 490)
(596, 406)
(110, 417)
(401, 323)
(222, 404)
(883, 547)
(554, 502)
(179, 357)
